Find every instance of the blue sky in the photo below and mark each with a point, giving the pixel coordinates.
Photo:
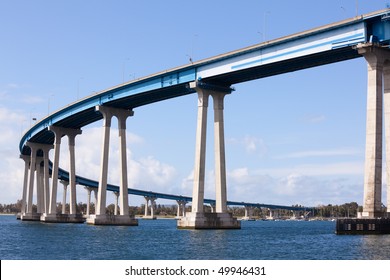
(296, 138)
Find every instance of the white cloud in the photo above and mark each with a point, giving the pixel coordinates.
(321, 153)
(251, 144)
(145, 172)
(296, 186)
(315, 118)
(12, 168)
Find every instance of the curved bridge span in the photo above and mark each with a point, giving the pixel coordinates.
(367, 35)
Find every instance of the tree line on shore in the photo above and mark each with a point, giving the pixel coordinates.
(324, 211)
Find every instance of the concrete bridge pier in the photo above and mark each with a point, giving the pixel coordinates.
(33, 169)
(373, 220)
(273, 214)
(181, 208)
(65, 184)
(197, 218)
(89, 192)
(51, 215)
(378, 100)
(152, 206)
(295, 215)
(39, 183)
(26, 160)
(248, 213)
(88, 201)
(101, 218)
(116, 194)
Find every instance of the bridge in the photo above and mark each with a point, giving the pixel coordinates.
(365, 36)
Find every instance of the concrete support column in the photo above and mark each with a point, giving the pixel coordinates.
(72, 133)
(200, 151)
(246, 215)
(219, 150)
(26, 160)
(102, 191)
(386, 98)
(46, 175)
(181, 208)
(54, 176)
(295, 214)
(30, 187)
(122, 116)
(375, 57)
(146, 206)
(184, 203)
(65, 184)
(152, 206)
(95, 192)
(212, 207)
(178, 208)
(88, 200)
(38, 181)
(116, 203)
(39, 185)
(271, 214)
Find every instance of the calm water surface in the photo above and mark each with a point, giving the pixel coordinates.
(159, 240)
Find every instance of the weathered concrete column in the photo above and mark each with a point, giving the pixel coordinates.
(183, 205)
(219, 150)
(72, 133)
(102, 191)
(39, 181)
(54, 176)
(248, 213)
(271, 214)
(95, 192)
(146, 206)
(26, 160)
(200, 150)
(40, 187)
(375, 58)
(181, 208)
(152, 204)
(116, 203)
(178, 208)
(46, 175)
(88, 200)
(64, 194)
(30, 188)
(386, 97)
(122, 116)
(295, 215)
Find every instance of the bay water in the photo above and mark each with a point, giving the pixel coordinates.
(161, 240)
